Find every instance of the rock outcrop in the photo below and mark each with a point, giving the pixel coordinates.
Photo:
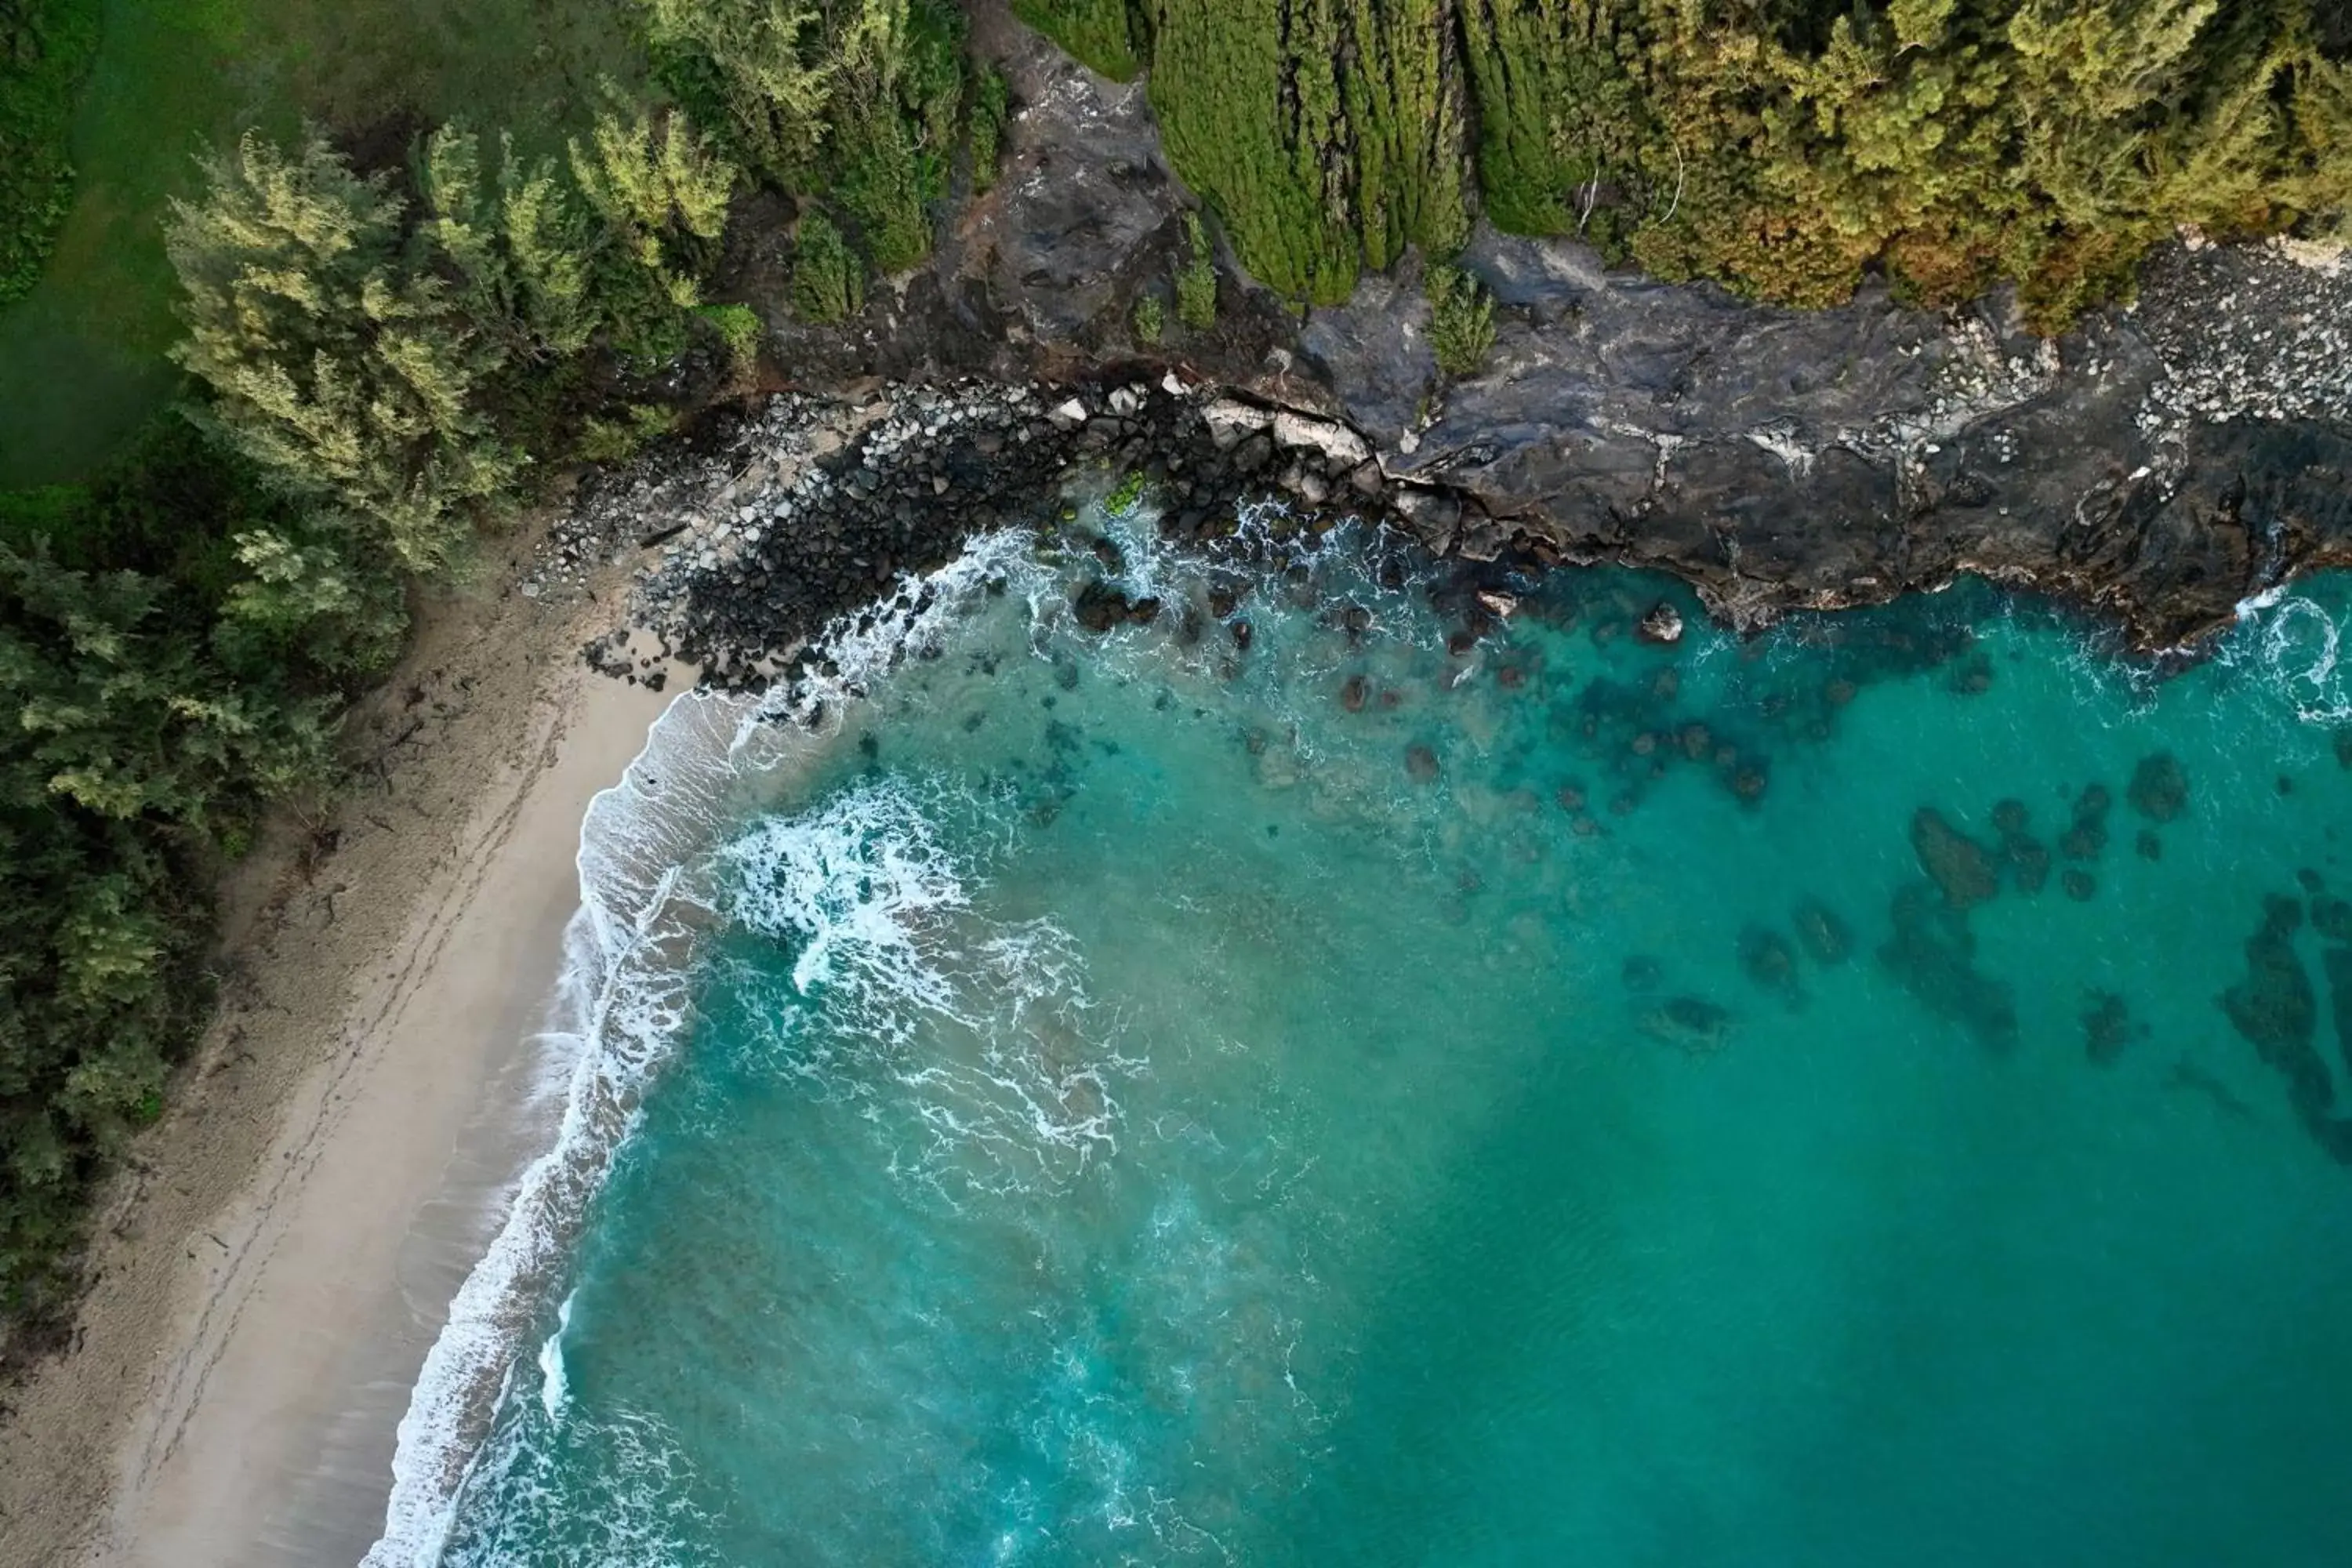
(2159, 464)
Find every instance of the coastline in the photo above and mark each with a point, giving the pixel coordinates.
(277, 1255)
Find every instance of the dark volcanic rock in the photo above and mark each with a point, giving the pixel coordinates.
(2158, 464)
(2159, 788)
(1953, 861)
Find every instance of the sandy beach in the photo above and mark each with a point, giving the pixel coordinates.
(280, 1251)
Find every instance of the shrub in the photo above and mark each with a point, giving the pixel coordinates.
(1196, 280)
(1461, 320)
(827, 281)
(1150, 320)
(739, 329)
(992, 107)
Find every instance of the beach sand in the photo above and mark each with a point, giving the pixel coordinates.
(282, 1249)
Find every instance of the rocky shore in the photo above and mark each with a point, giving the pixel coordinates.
(2157, 467)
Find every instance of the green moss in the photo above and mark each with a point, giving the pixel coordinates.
(739, 329)
(1461, 320)
(992, 107)
(1196, 280)
(1099, 32)
(827, 282)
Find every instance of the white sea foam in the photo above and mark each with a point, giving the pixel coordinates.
(555, 1388)
(2293, 643)
(646, 890)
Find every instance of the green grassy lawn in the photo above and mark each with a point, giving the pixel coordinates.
(82, 357)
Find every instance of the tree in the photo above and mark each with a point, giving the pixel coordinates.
(334, 359)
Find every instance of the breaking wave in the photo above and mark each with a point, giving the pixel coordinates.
(651, 883)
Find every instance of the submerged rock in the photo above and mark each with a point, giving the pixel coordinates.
(1691, 1024)
(2108, 1027)
(1768, 960)
(2337, 962)
(1420, 764)
(2276, 1008)
(1642, 973)
(1826, 938)
(2080, 884)
(1355, 694)
(2159, 788)
(2332, 919)
(1953, 861)
(1933, 956)
(2087, 839)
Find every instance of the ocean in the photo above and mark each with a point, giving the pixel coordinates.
(1419, 1084)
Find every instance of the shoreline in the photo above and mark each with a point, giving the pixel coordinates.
(275, 1258)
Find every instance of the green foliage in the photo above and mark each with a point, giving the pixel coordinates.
(991, 108)
(739, 329)
(172, 644)
(1786, 147)
(45, 49)
(616, 440)
(827, 282)
(1950, 142)
(662, 191)
(1150, 320)
(1251, 108)
(1097, 33)
(337, 364)
(1196, 280)
(1461, 320)
(522, 246)
(856, 99)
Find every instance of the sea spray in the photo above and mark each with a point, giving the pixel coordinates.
(618, 1003)
(1139, 1110)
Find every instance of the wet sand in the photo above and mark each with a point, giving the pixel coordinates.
(282, 1250)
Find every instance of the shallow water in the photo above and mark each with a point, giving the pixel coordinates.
(1134, 1106)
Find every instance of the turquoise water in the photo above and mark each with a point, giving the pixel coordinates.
(1131, 1106)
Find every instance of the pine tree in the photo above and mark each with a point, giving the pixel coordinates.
(334, 362)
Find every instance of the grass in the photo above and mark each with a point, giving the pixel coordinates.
(82, 356)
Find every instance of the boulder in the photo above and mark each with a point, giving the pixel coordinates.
(1663, 626)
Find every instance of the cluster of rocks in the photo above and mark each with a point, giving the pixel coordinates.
(1933, 952)
(810, 507)
(2246, 332)
(2276, 1006)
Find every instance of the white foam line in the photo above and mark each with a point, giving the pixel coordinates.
(620, 1001)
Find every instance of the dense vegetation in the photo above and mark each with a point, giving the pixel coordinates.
(1786, 147)
(382, 359)
(46, 47)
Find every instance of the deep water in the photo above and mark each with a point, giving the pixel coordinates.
(1347, 1102)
